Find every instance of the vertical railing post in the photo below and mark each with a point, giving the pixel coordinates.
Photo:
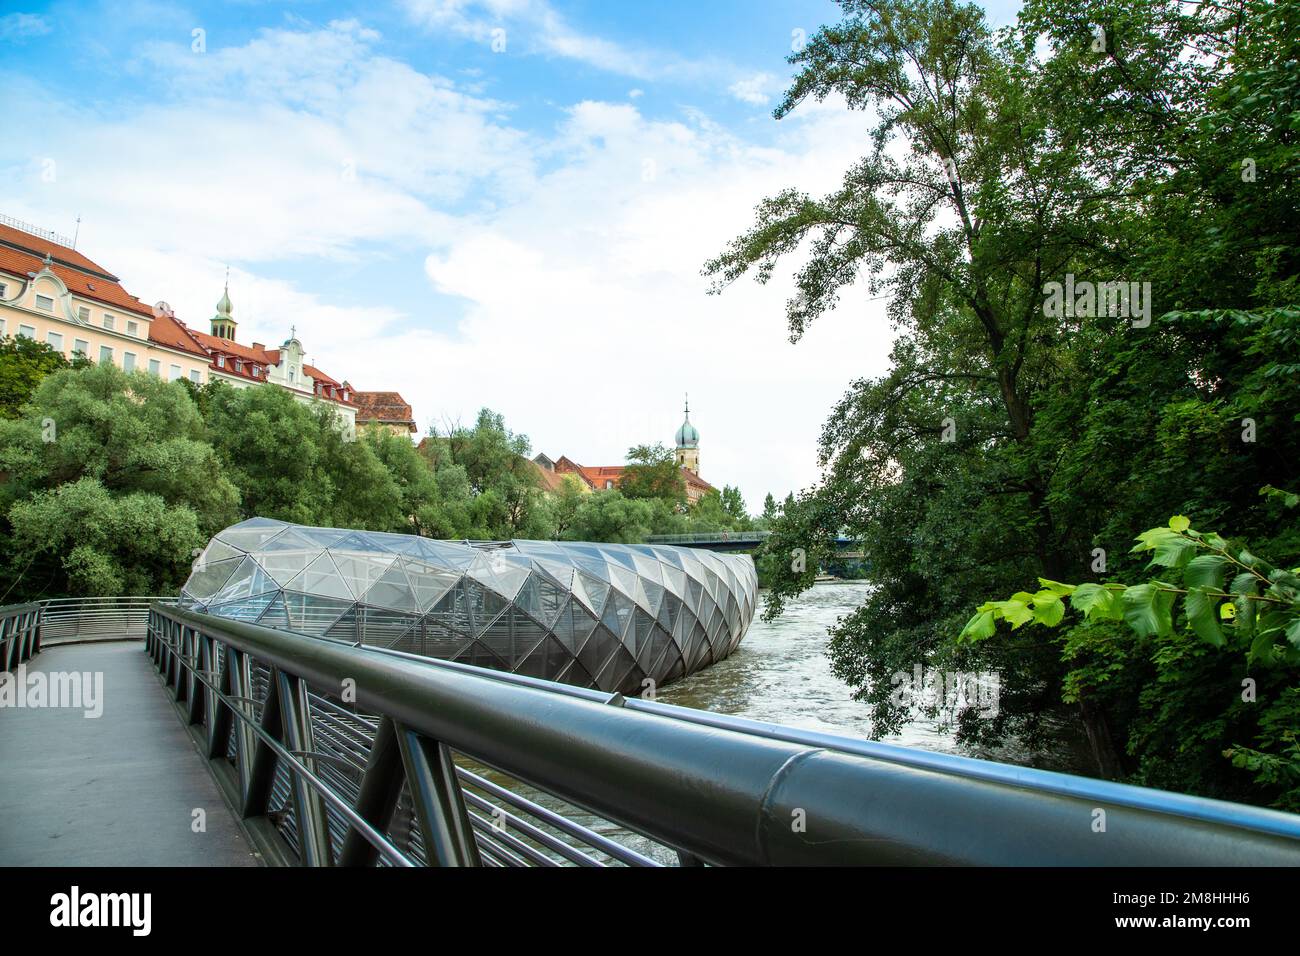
(308, 805)
(381, 786)
(261, 764)
(219, 714)
(439, 803)
(241, 689)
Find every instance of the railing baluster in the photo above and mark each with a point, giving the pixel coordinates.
(309, 808)
(381, 786)
(219, 714)
(439, 804)
(261, 770)
(241, 679)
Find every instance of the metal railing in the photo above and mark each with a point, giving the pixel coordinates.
(709, 537)
(70, 620)
(349, 755)
(20, 634)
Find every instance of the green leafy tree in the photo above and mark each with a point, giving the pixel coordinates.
(111, 486)
(652, 472)
(24, 363)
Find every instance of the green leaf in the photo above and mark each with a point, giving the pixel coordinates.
(1147, 610)
(1180, 523)
(1056, 587)
(1206, 570)
(1293, 633)
(979, 627)
(1048, 609)
(1200, 609)
(1171, 549)
(1014, 612)
(1096, 602)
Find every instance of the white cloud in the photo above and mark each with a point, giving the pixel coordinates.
(539, 28)
(755, 89)
(576, 256)
(20, 26)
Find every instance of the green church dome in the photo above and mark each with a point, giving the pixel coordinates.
(687, 436)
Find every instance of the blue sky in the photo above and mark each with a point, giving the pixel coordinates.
(516, 224)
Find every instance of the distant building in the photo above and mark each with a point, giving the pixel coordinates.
(242, 366)
(386, 410)
(602, 477)
(53, 294)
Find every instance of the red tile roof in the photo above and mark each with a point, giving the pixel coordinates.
(388, 408)
(22, 253)
(167, 331)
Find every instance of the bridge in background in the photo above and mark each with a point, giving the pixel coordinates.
(743, 541)
(301, 750)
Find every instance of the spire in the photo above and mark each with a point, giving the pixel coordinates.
(223, 323)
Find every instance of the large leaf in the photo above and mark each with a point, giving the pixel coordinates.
(1096, 602)
(1172, 550)
(979, 627)
(1206, 570)
(1147, 609)
(1202, 614)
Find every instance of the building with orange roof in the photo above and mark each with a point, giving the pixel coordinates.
(605, 477)
(53, 294)
(387, 410)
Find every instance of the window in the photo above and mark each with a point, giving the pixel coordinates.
(221, 361)
(4, 289)
(54, 340)
(195, 376)
(174, 373)
(83, 313)
(80, 347)
(609, 483)
(2, 326)
(345, 394)
(109, 321)
(27, 330)
(105, 355)
(239, 365)
(133, 328)
(128, 361)
(256, 371)
(154, 367)
(293, 377)
(45, 302)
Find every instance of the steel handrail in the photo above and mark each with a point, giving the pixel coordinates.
(20, 634)
(731, 791)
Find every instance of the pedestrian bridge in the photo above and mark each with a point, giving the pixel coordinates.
(133, 732)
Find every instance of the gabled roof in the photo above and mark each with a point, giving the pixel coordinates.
(22, 253)
(167, 331)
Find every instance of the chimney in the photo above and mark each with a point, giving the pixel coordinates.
(259, 346)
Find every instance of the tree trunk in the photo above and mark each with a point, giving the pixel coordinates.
(1109, 761)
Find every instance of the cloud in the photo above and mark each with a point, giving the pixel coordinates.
(20, 26)
(539, 28)
(754, 89)
(572, 255)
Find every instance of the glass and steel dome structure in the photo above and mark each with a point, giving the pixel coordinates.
(607, 616)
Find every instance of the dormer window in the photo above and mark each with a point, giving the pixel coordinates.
(256, 371)
(239, 365)
(221, 361)
(345, 394)
(45, 302)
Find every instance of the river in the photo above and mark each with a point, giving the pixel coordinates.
(780, 673)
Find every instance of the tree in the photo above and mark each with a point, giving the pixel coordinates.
(24, 363)
(1011, 441)
(652, 472)
(609, 515)
(1224, 619)
(111, 486)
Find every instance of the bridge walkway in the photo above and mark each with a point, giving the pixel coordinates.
(115, 790)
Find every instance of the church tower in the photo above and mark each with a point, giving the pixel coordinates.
(223, 323)
(688, 443)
